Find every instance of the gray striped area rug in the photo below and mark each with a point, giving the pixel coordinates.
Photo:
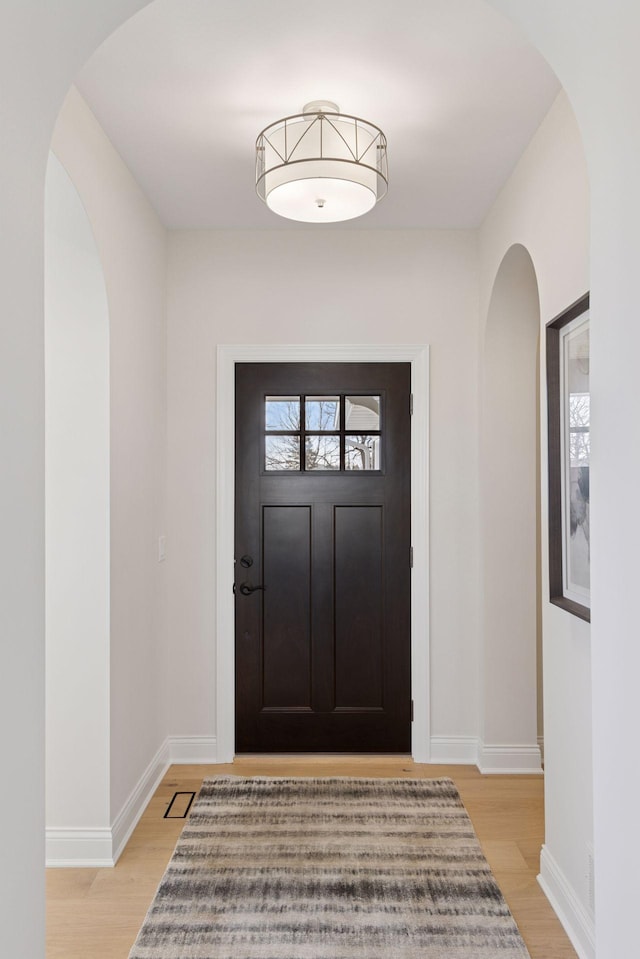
(328, 869)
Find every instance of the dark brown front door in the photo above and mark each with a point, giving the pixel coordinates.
(322, 566)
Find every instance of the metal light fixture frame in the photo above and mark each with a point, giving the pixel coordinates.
(367, 152)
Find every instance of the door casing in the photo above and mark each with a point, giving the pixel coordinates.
(228, 356)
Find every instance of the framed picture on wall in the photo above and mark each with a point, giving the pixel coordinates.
(569, 423)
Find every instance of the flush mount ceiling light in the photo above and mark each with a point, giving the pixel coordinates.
(321, 166)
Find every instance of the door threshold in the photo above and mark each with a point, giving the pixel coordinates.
(314, 757)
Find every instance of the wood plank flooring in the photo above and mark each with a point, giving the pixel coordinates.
(96, 913)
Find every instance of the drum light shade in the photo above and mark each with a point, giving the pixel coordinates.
(321, 166)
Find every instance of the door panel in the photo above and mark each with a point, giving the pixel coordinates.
(322, 546)
(359, 590)
(286, 605)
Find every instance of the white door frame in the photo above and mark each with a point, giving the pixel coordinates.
(228, 356)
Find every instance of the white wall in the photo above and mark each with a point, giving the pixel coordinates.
(132, 245)
(545, 207)
(41, 49)
(77, 513)
(323, 287)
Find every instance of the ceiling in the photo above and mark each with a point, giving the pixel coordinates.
(184, 87)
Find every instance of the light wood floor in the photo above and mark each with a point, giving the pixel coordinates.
(96, 913)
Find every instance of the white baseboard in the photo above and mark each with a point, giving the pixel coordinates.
(103, 846)
(454, 750)
(512, 759)
(489, 758)
(578, 923)
(185, 750)
(128, 817)
(78, 847)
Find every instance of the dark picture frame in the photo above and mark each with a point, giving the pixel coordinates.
(568, 415)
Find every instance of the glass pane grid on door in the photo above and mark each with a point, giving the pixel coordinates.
(323, 432)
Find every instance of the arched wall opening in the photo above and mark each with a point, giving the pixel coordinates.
(510, 517)
(489, 760)
(77, 518)
(124, 693)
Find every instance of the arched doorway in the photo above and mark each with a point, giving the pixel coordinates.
(77, 521)
(510, 519)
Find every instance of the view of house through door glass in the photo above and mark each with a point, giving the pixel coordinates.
(304, 433)
(322, 567)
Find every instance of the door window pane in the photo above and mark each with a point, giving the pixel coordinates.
(331, 432)
(362, 413)
(282, 452)
(362, 452)
(322, 453)
(282, 412)
(322, 412)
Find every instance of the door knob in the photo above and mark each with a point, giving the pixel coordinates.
(246, 588)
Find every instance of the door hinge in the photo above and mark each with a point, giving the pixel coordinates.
(411, 710)
(410, 404)
(411, 557)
